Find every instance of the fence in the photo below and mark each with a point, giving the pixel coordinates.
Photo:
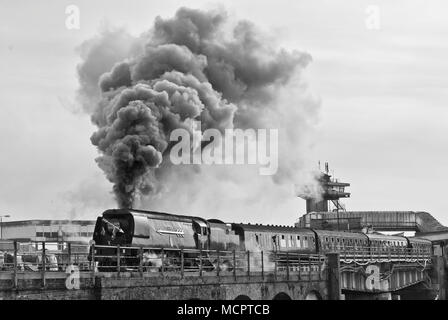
(45, 257)
(206, 262)
(386, 254)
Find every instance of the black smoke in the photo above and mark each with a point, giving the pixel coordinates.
(194, 66)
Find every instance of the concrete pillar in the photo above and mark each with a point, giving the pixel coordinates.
(439, 268)
(334, 286)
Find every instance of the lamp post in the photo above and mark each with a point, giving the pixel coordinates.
(1, 224)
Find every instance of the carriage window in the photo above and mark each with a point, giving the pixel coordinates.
(291, 241)
(257, 239)
(326, 239)
(306, 242)
(298, 242)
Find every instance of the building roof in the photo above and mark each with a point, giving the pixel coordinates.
(386, 220)
(21, 223)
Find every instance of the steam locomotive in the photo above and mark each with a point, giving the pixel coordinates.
(130, 229)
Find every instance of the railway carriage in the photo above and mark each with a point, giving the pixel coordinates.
(334, 241)
(254, 237)
(420, 246)
(385, 245)
(378, 241)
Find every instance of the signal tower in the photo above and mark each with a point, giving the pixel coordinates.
(331, 190)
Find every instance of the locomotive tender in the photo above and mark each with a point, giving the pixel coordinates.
(154, 231)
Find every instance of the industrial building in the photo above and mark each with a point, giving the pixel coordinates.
(325, 211)
(76, 231)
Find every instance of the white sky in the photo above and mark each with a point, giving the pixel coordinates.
(383, 122)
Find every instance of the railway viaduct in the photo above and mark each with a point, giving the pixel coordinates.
(303, 284)
(331, 277)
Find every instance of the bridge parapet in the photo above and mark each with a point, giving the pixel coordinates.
(65, 271)
(363, 256)
(382, 271)
(46, 270)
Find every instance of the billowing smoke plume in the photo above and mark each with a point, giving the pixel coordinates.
(194, 66)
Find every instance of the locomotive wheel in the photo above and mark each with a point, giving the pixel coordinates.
(226, 266)
(208, 266)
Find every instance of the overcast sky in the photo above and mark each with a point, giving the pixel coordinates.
(383, 121)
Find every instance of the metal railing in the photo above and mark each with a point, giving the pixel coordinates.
(42, 256)
(384, 254)
(52, 257)
(18, 258)
(148, 260)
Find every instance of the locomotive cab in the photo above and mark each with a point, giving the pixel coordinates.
(113, 229)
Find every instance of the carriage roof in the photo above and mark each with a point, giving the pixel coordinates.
(340, 234)
(270, 228)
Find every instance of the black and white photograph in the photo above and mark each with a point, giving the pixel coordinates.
(227, 151)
